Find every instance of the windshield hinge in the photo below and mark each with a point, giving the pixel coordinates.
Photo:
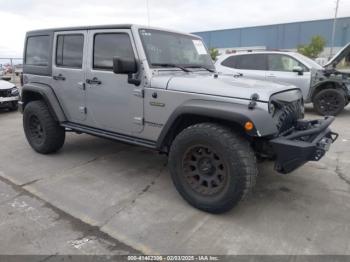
(139, 120)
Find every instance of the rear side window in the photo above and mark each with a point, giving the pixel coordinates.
(69, 50)
(37, 50)
(252, 62)
(247, 62)
(109, 45)
(230, 62)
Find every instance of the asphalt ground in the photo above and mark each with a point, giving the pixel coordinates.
(121, 197)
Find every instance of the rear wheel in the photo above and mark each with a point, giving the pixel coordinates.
(212, 167)
(329, 102)
(42, 131)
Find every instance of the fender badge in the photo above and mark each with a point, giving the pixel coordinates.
(157, 104)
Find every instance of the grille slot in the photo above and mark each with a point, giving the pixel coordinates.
(5, 93)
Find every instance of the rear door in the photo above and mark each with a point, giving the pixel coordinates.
(281, 70)
(68, 73)
(250, 65)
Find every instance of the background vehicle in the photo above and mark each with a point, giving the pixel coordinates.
(158, 89)
(326, 87)
(9, 95)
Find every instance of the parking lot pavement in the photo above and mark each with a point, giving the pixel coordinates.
(29, 225)
(126, 192)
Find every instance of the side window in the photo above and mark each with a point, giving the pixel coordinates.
(252, 62)
(69, 50)
(109, 45)
(37, 50)
(284, 63)
(230, 61)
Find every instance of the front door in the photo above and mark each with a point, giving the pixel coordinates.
(68, 73)
(281, 70)
(112, 103)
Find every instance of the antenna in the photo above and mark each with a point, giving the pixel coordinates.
(148, 13)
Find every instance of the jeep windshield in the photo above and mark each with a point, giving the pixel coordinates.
(167, 49)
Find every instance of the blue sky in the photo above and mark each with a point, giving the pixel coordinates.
(19, 16)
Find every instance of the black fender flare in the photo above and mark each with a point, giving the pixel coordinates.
(46, 92)
(236, 113)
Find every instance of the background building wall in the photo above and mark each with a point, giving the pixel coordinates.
(279, 36)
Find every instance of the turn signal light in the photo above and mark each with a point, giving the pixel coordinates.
(248, 126)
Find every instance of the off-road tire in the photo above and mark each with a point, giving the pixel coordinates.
(231, 149)
(43, 133)
(329, 102)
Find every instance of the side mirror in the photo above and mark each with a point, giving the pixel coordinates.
(123, 66)
(298, 69)
(126, 67)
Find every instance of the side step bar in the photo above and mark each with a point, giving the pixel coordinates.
(109, 135)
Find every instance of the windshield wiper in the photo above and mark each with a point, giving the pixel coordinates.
(171, 65)
(201, 66)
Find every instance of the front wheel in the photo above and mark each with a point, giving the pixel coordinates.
(212, 167)
(14, 106)
(329, 102)
(42, 131)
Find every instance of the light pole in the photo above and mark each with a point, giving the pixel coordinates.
(334, 27)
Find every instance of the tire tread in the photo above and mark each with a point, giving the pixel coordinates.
(55, 134)
(232, 142)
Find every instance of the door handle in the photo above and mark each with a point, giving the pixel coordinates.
(59, 77)
(271, 76)
(93, 81)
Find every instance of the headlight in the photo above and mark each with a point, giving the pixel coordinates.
(14, 91)
(272, 109)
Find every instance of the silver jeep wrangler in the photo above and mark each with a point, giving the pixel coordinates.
(158, 89)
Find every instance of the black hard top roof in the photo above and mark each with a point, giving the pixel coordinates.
(50, 30)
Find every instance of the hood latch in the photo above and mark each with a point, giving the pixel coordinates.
(254, 97)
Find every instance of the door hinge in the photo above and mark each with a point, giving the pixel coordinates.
(139, 92)
(139, 120)
(82, 85)
(83, 109)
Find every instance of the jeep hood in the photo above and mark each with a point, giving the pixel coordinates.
(223, 85)
(5, 85)
(345, 51)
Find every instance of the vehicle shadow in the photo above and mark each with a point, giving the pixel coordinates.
(8, 111)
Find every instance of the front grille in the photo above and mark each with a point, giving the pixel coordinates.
(5, 93)
(287, 114)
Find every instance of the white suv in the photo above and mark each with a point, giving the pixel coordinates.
(326, 87)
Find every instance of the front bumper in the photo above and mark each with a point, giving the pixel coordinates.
(7, 101)
(307, 141)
